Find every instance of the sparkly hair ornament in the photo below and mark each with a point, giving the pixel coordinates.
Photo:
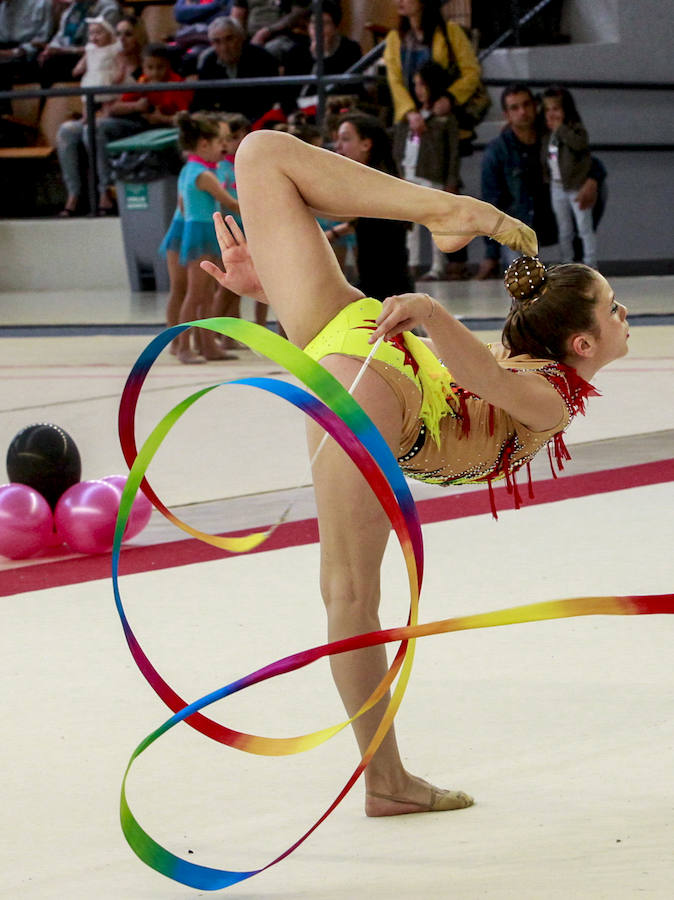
(525, 279)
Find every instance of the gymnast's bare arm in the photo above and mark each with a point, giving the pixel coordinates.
(532, 401)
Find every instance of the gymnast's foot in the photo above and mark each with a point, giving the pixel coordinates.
(419, 796)
(212, 355)
(189, 357)
(479, 218)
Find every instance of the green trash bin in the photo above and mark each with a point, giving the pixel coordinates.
(146, 167)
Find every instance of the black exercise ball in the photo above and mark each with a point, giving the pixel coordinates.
(46, 458)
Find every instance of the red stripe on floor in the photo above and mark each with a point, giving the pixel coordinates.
(293, 534)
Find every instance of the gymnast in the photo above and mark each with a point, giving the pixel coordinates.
(484, 421)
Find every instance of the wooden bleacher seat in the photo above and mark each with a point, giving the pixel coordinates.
(26, 110)
(56, 111)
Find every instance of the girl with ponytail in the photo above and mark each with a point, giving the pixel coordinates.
(191, 236)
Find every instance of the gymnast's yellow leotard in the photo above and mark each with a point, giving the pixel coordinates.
(449, 435)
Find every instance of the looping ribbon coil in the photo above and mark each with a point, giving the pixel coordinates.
(343, 419)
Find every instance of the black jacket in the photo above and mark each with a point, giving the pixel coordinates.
(251, 102)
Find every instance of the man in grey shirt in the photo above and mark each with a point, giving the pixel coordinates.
(24, 28)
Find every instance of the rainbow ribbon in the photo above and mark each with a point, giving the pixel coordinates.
(339, 414)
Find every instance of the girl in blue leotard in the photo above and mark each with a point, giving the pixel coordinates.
(200, 194)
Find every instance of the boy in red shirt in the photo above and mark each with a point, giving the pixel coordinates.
(157, 108)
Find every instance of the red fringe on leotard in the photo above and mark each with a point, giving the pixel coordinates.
(573, 390)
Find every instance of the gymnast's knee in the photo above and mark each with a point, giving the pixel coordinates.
(349, 593)
(260, 148)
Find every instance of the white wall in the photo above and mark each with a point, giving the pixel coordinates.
(619, 40)
(591, 21)
(56, 254)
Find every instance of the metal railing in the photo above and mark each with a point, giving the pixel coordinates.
(514, 31)
(90, 93)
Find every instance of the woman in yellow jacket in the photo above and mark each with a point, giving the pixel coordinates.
(423, 35)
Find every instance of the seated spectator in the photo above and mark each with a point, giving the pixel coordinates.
(193, 18)
(231, 56)
(98, 63)
(60, 56)
(268, 19)
(339, 54)
(132, 38)
(124, 117)
(23, 27)
(288, 32)
(128, 68)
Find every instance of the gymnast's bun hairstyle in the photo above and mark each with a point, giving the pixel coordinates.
(194, 126)
(549, 305)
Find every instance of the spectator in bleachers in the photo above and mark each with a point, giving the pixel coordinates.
(268, 20)
(60, 56)
(132, 37)
(423, 35)
(193, 18)
(430, 159)
(124, 117)
(202, 12)
(23, 28)
(339, 54)
(513, 177)
(231, 56)
(98, 64)
(288, 33)
(566, 165)
(363, 138)
(339, 51)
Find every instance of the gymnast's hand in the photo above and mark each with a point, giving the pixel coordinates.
(402, 312)
(239, 275)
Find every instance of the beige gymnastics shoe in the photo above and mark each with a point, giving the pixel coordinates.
(507, 230)
(439, 801)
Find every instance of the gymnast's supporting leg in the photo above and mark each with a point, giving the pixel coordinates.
(306, 287)
(352, 548)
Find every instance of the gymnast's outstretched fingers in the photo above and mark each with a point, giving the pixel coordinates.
(239, 275)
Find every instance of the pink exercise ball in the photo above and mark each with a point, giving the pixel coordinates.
(141, 508)
(55, 539)
(85, 516)
(26, 521)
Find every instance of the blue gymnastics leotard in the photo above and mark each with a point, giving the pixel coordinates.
(174, 236)
(198, 238)
(225, 174)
